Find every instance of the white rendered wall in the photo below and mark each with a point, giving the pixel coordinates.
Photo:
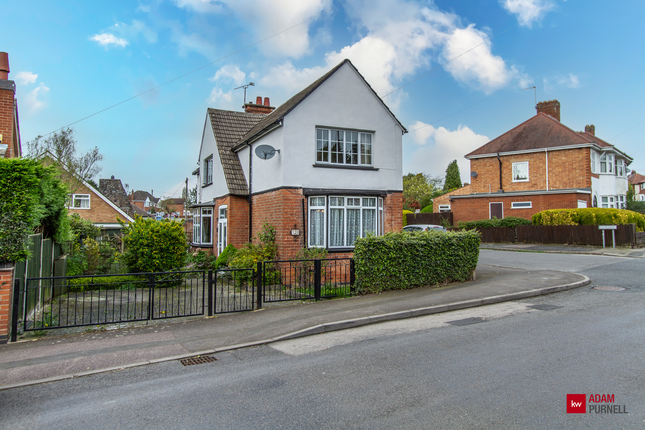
(218, 188)
(609, 185)
(343, 101)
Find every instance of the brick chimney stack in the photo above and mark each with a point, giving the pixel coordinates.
(10, 144)
(551, 108)
(258, 107)
(591, 129)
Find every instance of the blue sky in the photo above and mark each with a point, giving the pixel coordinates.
(73, 59)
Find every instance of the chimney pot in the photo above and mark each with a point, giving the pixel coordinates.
(266, 101)
(551, 108)
(4, 66)
(258, 100)
(591, 129)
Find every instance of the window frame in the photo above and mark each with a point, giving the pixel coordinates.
(81, 198)
(518, 163)
(442, 208)
(594, 161)
(607, 161)
(522, 205)
(208, 171)
(363, 205)
(328, 140)
(222, 228)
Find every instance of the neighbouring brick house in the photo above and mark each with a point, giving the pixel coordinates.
(144, 200)
(324, 168)
(9, 126)
(637, 181)
(540, 164)
(173, 205)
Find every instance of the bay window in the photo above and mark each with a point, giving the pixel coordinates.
(353, 148)
(607, 163)
(594, 167)
(203, 226)
(337, 221)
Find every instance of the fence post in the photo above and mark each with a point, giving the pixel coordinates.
(14, 311)
(259, 284)
(317, 276)
(210, 291)
(151, 295)
(352, 275)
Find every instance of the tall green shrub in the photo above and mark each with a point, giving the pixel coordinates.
(154, 246)
(409, 260)
(589, 216)
(488, 223)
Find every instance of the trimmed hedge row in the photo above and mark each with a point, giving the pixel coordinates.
(509, 221)
(589, 216)
(399, 261)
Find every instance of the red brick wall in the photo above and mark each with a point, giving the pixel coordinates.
(473, 209)
(7, 113)
(393, 208)
(99, 212)
(283, 210)
(6, 284)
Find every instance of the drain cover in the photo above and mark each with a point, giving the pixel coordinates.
(545, 307)
(466, 321)
(198, 360)
(607, 288)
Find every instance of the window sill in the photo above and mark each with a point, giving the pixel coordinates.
(79, 209)
(206, 185)
(344, 166)
(521, 180)
(335, 250)
(201, 245)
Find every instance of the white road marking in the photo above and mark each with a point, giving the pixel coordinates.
(320, 342)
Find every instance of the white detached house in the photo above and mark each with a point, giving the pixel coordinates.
(324, 168)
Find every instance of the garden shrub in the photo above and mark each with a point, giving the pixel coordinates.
(225, 257)
(106, 283)
(490, 223)
(154, 246)
(405, 218)
(201, 260)
(427, 210)
(92, 258)
(636, 206)
(409, 260)
(264, 249)
(589, 216)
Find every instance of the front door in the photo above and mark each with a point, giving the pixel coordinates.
(496, 210)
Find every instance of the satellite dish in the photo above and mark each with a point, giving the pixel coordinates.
(473, 174)
(265, 152)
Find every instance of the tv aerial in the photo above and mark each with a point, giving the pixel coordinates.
(250, 84)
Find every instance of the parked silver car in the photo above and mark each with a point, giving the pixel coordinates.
(423, 227)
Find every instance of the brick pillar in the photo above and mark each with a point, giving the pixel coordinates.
(6, 286)
(7, 112)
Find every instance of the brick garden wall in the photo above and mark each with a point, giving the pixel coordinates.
(6, 285)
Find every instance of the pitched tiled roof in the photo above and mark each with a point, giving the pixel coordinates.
(279, 113)
(228, 128)
(140, 196)
(539, 132)
(636, 178)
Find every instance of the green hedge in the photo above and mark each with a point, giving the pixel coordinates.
(106, 283)
(400, 261)
(405, 218)
(510, 221)
(589, 216)
(427, 210)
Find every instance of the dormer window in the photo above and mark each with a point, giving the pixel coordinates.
(343, 147)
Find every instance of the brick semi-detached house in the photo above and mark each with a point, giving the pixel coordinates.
(637, 181)
(540, 164)
(324, 168)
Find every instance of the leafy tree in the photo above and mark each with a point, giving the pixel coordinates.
(154, 246)
(453, 177)
(62, 145)
(419, 189)
(32, 199)
(166, 205)
(191, 199)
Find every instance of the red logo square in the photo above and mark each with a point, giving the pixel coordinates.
(576, 404)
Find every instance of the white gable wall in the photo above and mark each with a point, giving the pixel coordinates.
(218, 188)
(344, 101)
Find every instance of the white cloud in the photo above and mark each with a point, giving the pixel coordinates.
(230, 73)
(218, 96)
(528, 11)
(137, 27)
(107, 39)
(401, 40)
(34, 101)
(26, 78)
(269, 18)
(437, 147)
(570, 81)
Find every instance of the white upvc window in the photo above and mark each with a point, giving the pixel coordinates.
(197, 227)
(343, 147)
(337, 221)
(222, 227)
(620, 168)
(594, 161)
(81, 201)
(521, 171)
(444, 208)
(207, 226)
(621, 200)
(208, 170)
(607, 163)
(521, 205)
(608, 201)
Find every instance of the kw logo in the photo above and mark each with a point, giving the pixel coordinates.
(576, 404)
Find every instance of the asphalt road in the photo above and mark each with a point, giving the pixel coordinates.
(512, 367)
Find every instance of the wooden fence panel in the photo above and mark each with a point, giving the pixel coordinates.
(497, 234)
(425, 218)
(575, 234)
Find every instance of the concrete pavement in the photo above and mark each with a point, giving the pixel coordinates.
(54, 358)
(620, 251)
